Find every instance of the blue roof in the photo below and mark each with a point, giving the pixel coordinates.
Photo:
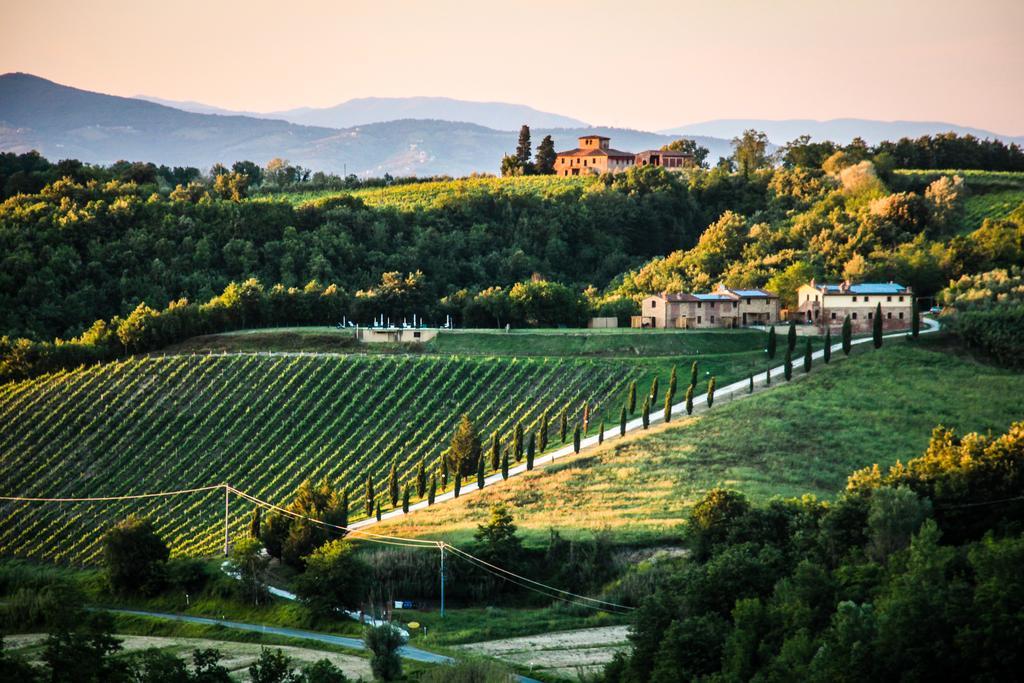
(871, 288)
(750, 292)
(712, 297)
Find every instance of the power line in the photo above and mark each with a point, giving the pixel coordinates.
(101, 499)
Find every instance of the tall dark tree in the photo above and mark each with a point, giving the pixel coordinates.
(504, 465)
(458, 483)
(915, 318)
(750, 386)
(545, 157)
(847, 335)
(254, 525)
(480, 475)
(768, 377)
(791, 336)
(631, 399)
(788, 366)
(343, 511)
(542, 433)
(693, 374)
(393, 485)
(576, 438)
(600, 433)
(646, 413)
(378, 514)
(517, 441)
(622, 421)
(421, 479)
(807, 356)
(563, 425)
(876, 327)
(531, 451)
(495, 452)
(586, 416)
(668, 407)
(371, 497)
(827, 354)
(672, 384)
(432, 491)
(771, 342)
(711, 391)
(524, 150)
(689, 400)
(654, 390)
(405, 497)
(465, 449)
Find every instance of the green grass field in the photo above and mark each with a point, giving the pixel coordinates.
(805, 437)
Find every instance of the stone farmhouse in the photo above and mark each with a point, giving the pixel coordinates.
(595, 156)
(828, 305)
(723, 307)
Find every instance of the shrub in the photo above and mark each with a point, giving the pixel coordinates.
(383, 643)
(335, 579)
(135, 557)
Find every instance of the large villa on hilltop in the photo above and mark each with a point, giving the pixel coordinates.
(595, 156)
(824, 304)
(723, 307)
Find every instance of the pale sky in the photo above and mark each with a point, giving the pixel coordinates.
(638, 64)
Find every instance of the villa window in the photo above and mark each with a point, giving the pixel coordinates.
(699, 304)
(871, 316)
(855, 299)
(901, 316)
(734, 304)
(888, 298)
(889, 315)
(654, 304)
(712, 320)
(901, 298)
(698, 320)
(833, 315)
(748, 302)
(854, 316)
(867, 299)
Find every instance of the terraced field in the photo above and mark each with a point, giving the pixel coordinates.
(260, 422)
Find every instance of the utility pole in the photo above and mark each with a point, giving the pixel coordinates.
(226, 537)
(442, 579)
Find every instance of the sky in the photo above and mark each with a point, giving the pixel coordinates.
(638, 64)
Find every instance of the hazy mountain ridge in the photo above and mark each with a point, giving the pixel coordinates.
(63, 122)
(838, 130)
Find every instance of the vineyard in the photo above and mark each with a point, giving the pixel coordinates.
(260, 422)
(435, 194)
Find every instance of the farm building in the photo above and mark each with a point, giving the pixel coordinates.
(595, 156)
(825, 304)
(724, 307)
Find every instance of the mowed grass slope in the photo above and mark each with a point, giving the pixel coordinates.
(804, 437)
(260, 423)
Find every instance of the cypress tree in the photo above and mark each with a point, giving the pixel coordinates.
(444, 474)
(668, 407)
(524, 150)
(254, 525)
(531, 447)
(344, 509)
(378, 510)
(789, 365)
(622, 421)
(807, 356)
(393, 485)
(563, 425)
(576, 439)
(480, 474)
(545, 156)
(600, 434)
(370, 496)
(647, 412)
(750, 387)
(689, 400)
(876, 326)
(543, 434)
(768, 377)
(915, 318)
(495, 453)
(432, 491)
(586, 416)
(465, 448)
(827, 354)
(654, 389)
(517, 441)
(458, 482)
(504, 465)
(672, 383)
(631, 401)
(405, 498)
(771, 342)
(693, 374)
(421, 480)
(791, 336)
(847, 335)
(711, 391)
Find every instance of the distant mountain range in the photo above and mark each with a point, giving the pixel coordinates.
(64, 122)
(838, 130)
(359, 112)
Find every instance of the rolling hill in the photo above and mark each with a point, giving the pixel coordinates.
(63, 122)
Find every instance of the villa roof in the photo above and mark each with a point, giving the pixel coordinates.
(595, 152)
(864, 288)
(676, 297)
(713, 297)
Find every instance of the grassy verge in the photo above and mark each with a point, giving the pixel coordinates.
(804, 437)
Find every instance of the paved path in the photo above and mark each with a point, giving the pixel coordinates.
(740, 387)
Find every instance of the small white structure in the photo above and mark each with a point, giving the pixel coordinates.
(394, 335)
